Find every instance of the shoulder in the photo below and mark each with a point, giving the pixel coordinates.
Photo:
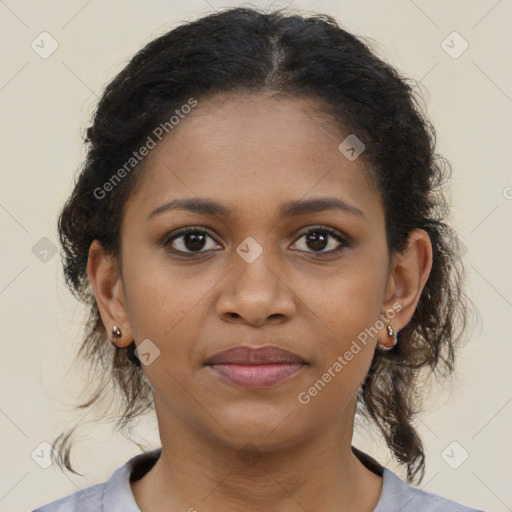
(85, 500)
(114, 495)
(395, 493)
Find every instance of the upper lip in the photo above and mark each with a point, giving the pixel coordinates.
(269, 354)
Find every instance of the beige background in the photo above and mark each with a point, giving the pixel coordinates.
(46, 104)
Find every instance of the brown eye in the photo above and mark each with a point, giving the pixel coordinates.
(317, 240)
(320, 238)
(190, 240)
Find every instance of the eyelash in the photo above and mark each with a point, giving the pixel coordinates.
(166, 242)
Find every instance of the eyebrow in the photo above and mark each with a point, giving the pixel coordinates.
(293, 208)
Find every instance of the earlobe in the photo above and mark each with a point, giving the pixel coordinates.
(393, 334)
(103, 272)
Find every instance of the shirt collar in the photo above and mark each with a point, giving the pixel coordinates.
(118, 495)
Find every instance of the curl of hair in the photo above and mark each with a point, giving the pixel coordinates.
(246, 51)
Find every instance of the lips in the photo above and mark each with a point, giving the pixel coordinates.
(256, 368)
(244, 355)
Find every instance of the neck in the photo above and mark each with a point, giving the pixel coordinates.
(195, 472)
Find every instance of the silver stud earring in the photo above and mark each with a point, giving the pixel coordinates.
(394, 334)
(116, 333)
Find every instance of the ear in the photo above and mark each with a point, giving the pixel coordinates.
(104, 274)
(408, 274)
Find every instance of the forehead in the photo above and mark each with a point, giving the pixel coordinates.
(253, 150)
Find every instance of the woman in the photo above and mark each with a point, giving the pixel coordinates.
(260, 230)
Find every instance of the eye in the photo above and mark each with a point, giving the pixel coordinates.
(189, 240)
(317, 239)
(194, 240)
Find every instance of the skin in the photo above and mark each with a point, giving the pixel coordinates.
(240, 151)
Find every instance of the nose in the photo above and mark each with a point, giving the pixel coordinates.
(256, 293)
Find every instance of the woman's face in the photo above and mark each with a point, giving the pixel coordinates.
(254, 277)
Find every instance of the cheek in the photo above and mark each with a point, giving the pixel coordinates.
(348, 302)
(345, 351)
(167, 306)
(344, 311)
(160, 297)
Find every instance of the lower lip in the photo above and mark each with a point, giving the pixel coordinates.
(257, 376)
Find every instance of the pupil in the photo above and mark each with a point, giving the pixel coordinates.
(319, 241)
(194, 238)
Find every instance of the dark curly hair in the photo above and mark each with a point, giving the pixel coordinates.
(243, 51)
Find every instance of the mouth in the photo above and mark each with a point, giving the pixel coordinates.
(256, 368)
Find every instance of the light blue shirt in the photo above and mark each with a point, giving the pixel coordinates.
(115, 495)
